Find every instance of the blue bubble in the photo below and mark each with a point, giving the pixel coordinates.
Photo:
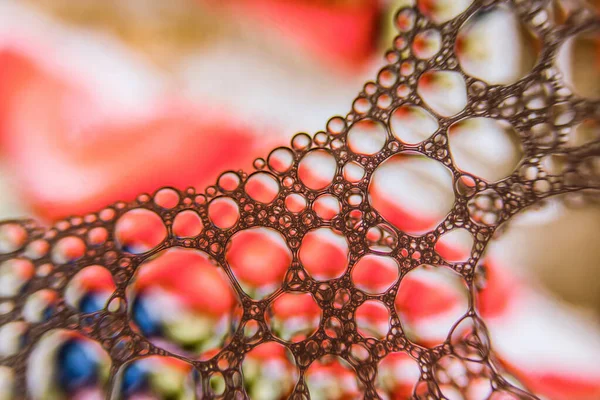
(92, 302)
(145, 318)
(77, 367)
(135, 379)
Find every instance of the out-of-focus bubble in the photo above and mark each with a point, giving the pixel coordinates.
(495, 46)
(65, 364)
(331, 378)
(40, 306)
(294, 316)
(577, 59)
(12, 338)
(155, 377)
(68, 249)
(90, 289)
(14, 275)
(269, 372)
(12, 237)
(181, 300)
(97, 236)
(584, 133)
(7, 382)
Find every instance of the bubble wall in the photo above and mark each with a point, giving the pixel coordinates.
(306, 277)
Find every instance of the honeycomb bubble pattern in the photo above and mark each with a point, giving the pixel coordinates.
(304, 189)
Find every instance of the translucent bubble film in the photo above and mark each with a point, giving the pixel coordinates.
(313, 276)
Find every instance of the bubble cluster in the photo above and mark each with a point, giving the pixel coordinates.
(315, 276)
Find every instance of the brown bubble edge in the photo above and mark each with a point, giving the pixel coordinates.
(580, 176)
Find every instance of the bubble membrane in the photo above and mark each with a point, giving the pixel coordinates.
(303, 191)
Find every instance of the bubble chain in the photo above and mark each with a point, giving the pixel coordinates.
(327, 188)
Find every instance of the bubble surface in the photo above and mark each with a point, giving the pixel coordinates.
(317, 169)
(259, 259)
(327, 206)
(187, 224)
(139, 230)
(269, 372)
(440, 11)
(430, 197)
(90, 289)
(495, 46)
(367, 137)
(347, 265)
(324, 253)
(155, 377)
(223, 212)
(445, 92)
(375, 273)
(427, 44)
(294, 316)
(372, 319)
(332, 378)
(412, 124)
(182, 301)
(262, 187)
(66, 364)
(455, 245)
(576, 60)
(429, 322)
(485, 147)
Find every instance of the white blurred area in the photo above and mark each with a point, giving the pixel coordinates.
(557, 243)
(553, 248)
(221, 64)
(264, 82)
